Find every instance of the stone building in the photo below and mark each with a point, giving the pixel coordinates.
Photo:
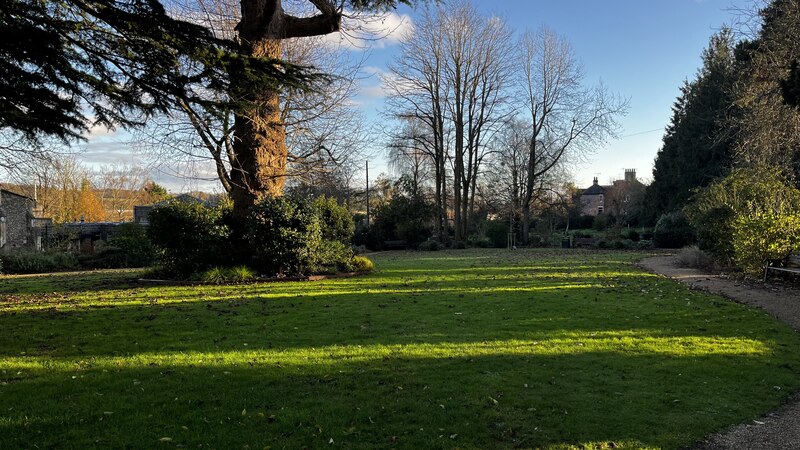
(17, 221)
(615, 199)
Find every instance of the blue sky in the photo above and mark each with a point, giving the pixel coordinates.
(641, 49)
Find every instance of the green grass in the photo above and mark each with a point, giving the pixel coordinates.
(462, 349)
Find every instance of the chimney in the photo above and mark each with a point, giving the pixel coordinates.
(630, 175)
(595, 181)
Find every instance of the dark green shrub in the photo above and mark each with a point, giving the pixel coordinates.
(38, 262)
(128, 247)
(284, 235)
(715, 231)
(644, 244)
(673, 230)
(430, 246)
(600, 223)
(190, 237)
(631, 234)
(497, 233)
(335, 220)
(331, 257)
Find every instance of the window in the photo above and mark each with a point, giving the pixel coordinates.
(599, 210)
(2, 231)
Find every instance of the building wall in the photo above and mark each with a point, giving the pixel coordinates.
(591, 204)
(17, 212)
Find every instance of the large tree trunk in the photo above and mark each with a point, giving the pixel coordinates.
(259, 167)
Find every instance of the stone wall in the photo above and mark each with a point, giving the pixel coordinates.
(17, 212)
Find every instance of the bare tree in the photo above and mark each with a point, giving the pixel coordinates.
(451, 76)
(567, 117)
(121, 186)
(409, 157)
(476, 69)
(417, 92)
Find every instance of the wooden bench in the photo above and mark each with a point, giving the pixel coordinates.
(790, 264)
(584, 242)
(395, 245)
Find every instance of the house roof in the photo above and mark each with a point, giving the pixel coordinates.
(595, 189)
(6, 191)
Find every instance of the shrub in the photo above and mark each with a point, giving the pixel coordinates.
(748, 217)
(223, 275)
(694, 258)
(599, 223)
(241, 274)
(336, 222)
(284, 235)
(190, 237)
(644, 244)
(38, 262)
(497, 233)
(128, 247)
(430, 245)
(760, 236)
(673, 230)
(331, 256)
(631, 234)
(361, 264)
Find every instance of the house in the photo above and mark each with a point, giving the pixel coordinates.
(18, 226)
(613, 199)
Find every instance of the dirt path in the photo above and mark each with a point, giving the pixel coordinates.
(779, 429)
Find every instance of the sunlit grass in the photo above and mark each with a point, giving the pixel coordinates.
(462, 349)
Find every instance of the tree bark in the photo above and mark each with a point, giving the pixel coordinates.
(258, 168)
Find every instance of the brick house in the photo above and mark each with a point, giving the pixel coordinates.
(17, 221)
(615, 199)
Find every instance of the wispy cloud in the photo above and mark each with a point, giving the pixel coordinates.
(372, 31)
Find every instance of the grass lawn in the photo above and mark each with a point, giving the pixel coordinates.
(461, 349)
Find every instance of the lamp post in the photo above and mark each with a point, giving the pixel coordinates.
(367, 167)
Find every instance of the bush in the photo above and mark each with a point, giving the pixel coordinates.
(128, 247)
(644, 244)
(223, 275)
(189, 237)
(284, 235)
(336, 222)
(631, 234)
(331, 257)
(361, 264)
(748, 217)
(599, 223)
(430, 245)
(694, 258)
(762, 236)
(673, 230)
(38, 262)
(497, 233)
(295, 236)
(479, 241)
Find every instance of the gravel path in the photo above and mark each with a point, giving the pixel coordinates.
(779, 429)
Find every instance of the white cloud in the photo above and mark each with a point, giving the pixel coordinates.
(364, 32)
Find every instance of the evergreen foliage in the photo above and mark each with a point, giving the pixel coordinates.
(698, 145)
(66, 65)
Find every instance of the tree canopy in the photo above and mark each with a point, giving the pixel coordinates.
(66, 65)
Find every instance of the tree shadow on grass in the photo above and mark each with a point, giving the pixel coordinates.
(489, 401)
(372, 318)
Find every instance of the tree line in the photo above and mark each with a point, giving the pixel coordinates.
(730, 159)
